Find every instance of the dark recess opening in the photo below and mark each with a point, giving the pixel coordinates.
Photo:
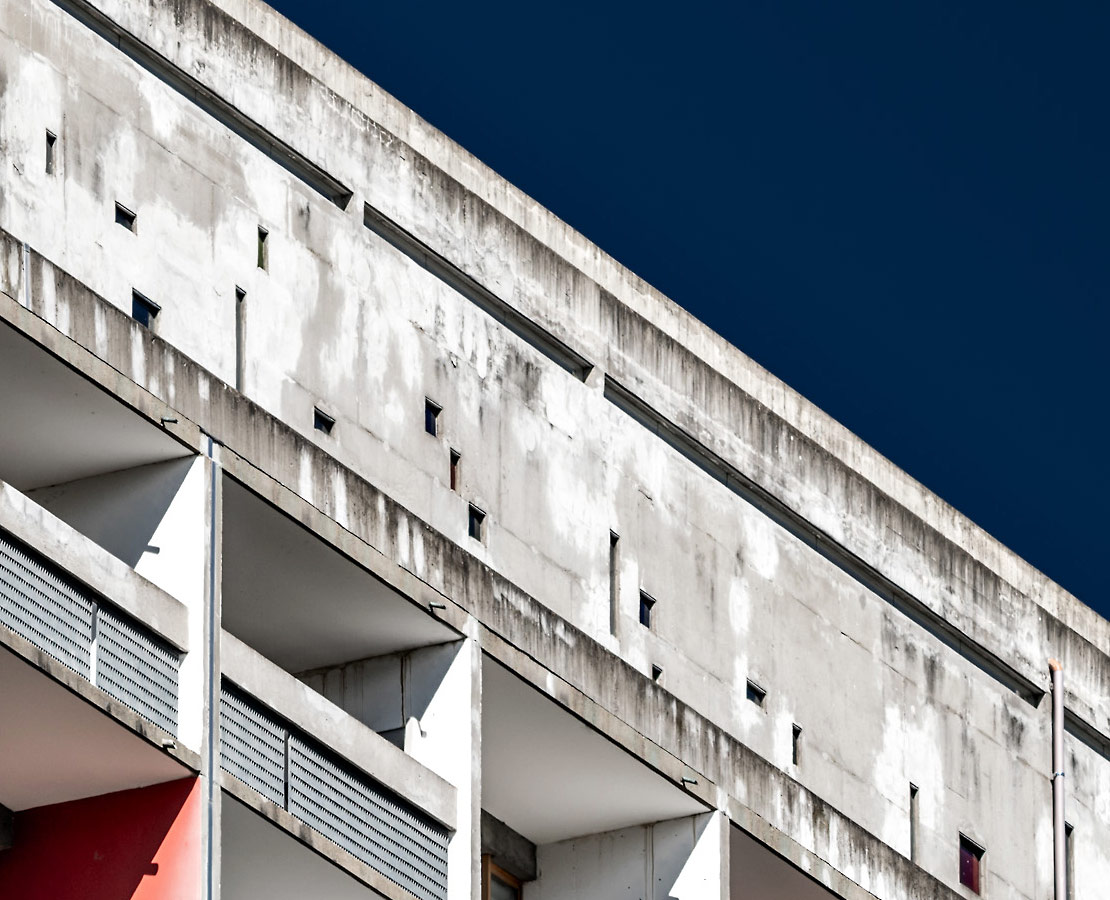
(971, 861)
(476, 523)
(51, 140)
(263, 254)
(755, 693)
(913, 823)
(455, 459)
(796, 744)
(431, 417)
(647, 603)
(143, 309)
(240, 337)
(614, 581)
(321, 421)
(125, 217)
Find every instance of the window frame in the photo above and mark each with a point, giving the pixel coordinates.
(491, 870)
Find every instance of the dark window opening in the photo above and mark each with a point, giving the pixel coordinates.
(656, 672)
(240, 337)
(971, 861)
(143, 309)
(796, 744)
(1069, 861)
(755, 693)
(125, 217)
(431, 417)
(263, 252)
(913, 823)
(456, 458)
(614, 582)
(476, 523)
(647, 603)
(321, 421)
(51, 141)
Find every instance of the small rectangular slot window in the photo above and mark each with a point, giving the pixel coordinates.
(263, 248)
(913, 823)
(755, 693)
(971, 863)
(456, 459)
(656, 672)
(476, 523)
(240, 338)
(51, 146)
(647, 604)
(431, 417)
(321, 421)
(1069, 860)
(614, 581)
(143, 309)
(125, 217)
(796, 744)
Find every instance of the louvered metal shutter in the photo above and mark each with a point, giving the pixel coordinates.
(45, 608)
(62, 617)
(370, 823)
(137, 669)
(334, 798)
(252, 745)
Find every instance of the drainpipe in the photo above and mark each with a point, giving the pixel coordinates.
(1058, 839)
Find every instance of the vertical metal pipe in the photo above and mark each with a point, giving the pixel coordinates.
(1059, 854)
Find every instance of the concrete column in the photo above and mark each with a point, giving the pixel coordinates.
(209, 661)
(442, 689)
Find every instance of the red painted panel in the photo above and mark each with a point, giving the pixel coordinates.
(142, 844)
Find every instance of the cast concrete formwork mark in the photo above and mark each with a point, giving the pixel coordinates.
(219, 416)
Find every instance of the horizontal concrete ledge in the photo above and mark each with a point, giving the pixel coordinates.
(454, 277)
(340, 732)
(312, 839)
(209, 101)
(94, 696)
(93, 566)
(834, 551)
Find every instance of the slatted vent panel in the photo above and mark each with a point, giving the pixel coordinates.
(45, 608)
(137, 669)
(61, 616)
(367, 821)
(341, 803)
(252, 745)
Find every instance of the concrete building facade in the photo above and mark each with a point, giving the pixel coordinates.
(365, 531)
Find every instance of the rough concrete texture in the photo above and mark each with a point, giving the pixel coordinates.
(908, 645)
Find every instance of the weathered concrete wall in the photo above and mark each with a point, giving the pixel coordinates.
(341, 320)
(679, 859)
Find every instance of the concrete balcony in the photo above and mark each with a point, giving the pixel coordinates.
(73, 601)
(93, 768)
(327, 781)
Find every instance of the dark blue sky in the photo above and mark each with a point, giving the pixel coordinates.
(899, 209)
